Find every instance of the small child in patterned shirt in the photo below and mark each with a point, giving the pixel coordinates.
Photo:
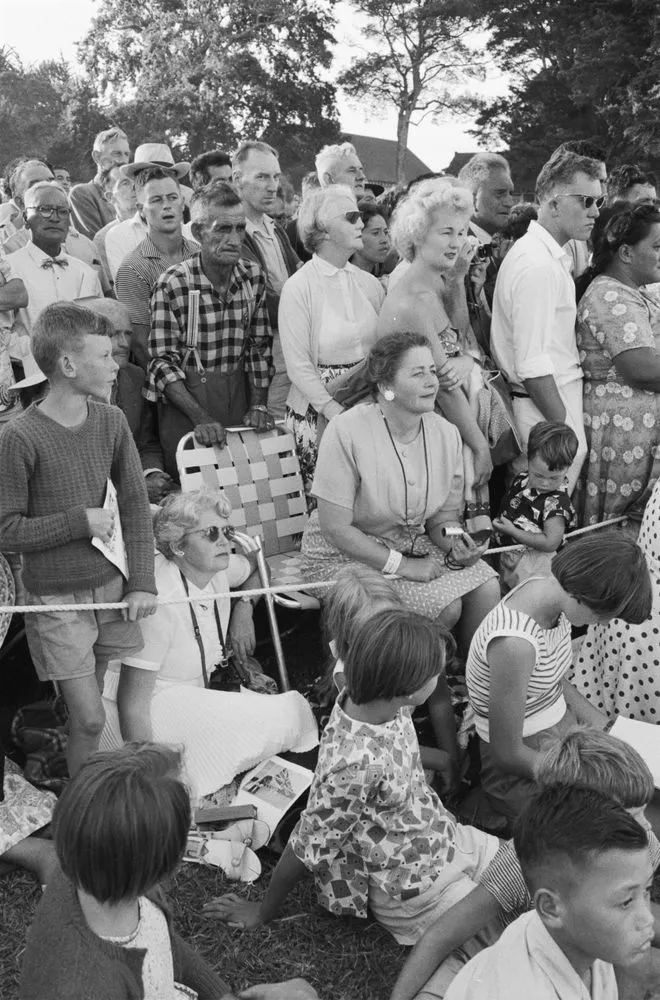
(536, 510)
(374, 834)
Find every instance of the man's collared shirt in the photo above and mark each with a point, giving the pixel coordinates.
(266, 239)
(534, 311)
(122, 239)
(138, 274)
(230, 330)
(56, 283)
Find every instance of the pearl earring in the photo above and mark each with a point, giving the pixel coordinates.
(388, 394)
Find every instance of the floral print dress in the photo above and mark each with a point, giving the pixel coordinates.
(622, 423)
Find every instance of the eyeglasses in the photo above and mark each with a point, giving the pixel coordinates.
(352, 217)
(587, 200)
(213, 532)
(47, 211)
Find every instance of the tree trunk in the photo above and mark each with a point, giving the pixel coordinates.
(402, 128)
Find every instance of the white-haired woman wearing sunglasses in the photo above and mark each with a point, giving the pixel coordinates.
(163, 694)
(328, 315)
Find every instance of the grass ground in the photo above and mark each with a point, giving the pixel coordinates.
(343, 959)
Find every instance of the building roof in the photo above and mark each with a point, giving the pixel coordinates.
(378, 157)
(460, 159)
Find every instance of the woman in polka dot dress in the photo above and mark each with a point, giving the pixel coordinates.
(618, 336)
(618, 668)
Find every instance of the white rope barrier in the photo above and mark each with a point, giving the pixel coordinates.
(289, 588)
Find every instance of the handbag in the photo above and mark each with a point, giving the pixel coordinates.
(223, 395)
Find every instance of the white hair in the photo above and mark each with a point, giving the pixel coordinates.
(414, 215)
(40, 186)
(478, 169)
(180, 513)
(108, 135)
(315, 212)
(330, 156)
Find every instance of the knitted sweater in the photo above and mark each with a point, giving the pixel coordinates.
(49, 476)
(65, 960)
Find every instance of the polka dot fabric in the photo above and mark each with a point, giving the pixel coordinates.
(622, 423)
(618, 669)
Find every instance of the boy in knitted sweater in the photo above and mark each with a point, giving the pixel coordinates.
(57, 461)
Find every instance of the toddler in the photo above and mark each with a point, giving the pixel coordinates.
(536, 509)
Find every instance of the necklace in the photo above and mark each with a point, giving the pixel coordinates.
(412, 534)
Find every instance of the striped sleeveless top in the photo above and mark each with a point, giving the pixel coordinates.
(545, 704)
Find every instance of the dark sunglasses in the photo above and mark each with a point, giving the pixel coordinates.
(588, 200)
(352, 217)
(213, 532)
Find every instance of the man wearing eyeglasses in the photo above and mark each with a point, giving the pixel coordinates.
(533, 328)
(49, 274)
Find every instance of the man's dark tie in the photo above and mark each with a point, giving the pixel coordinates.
(52, 261)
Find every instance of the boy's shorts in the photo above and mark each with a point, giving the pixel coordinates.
(69, 644)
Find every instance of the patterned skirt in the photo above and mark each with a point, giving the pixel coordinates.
(322, 561)
(304, 427)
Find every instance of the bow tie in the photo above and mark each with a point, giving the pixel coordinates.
(52, 261)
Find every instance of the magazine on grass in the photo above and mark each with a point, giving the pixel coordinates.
(273, 786)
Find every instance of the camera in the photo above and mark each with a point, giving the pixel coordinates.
(483, 253)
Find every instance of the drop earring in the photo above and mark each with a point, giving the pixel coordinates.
(388, 394)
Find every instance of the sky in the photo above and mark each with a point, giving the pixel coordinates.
(54, 28)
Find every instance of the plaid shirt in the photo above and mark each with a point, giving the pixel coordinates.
(230, 331)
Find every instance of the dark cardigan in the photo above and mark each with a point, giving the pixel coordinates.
(65, 960)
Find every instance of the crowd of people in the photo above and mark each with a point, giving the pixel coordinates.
(458, 370)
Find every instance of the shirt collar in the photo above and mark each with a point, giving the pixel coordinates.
(266, 227)
(328, 269)
(38, 255)
(137, 221)
(480, 233)
(540, 233)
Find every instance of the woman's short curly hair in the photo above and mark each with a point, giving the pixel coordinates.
(385, 357)
(316, 210)
(180, 513)
(415, 214)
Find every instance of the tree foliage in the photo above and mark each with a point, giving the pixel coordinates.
(416, 60)
(580, 69)
(205, 73)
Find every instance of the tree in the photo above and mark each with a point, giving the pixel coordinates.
(580, 69)
(416, 61)
(204, 73)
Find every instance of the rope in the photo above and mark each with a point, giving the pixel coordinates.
(290, 588)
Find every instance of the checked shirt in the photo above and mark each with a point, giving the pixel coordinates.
(232, 331)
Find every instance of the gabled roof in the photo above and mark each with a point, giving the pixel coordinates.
(378, 157)
(460, 159)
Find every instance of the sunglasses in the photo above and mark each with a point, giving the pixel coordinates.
(352, 217)
(213, 532)
(587, 200)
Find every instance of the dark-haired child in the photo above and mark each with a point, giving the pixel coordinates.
(57, 459)
(587, 866)
(582, 758)
(536, 510)
(102, 929)
(373, 833)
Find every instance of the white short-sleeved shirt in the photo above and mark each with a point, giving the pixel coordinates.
(169, 641)
(74, 280)
(533, 328)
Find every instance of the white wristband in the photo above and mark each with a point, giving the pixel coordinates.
(393, 562)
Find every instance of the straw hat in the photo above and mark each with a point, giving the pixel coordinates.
(33, 375)
(155, 154)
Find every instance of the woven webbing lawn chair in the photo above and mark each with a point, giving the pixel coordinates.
(260, 476)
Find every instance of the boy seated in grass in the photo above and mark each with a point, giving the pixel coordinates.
(57, 459)
(587, 867)
(584, 758)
